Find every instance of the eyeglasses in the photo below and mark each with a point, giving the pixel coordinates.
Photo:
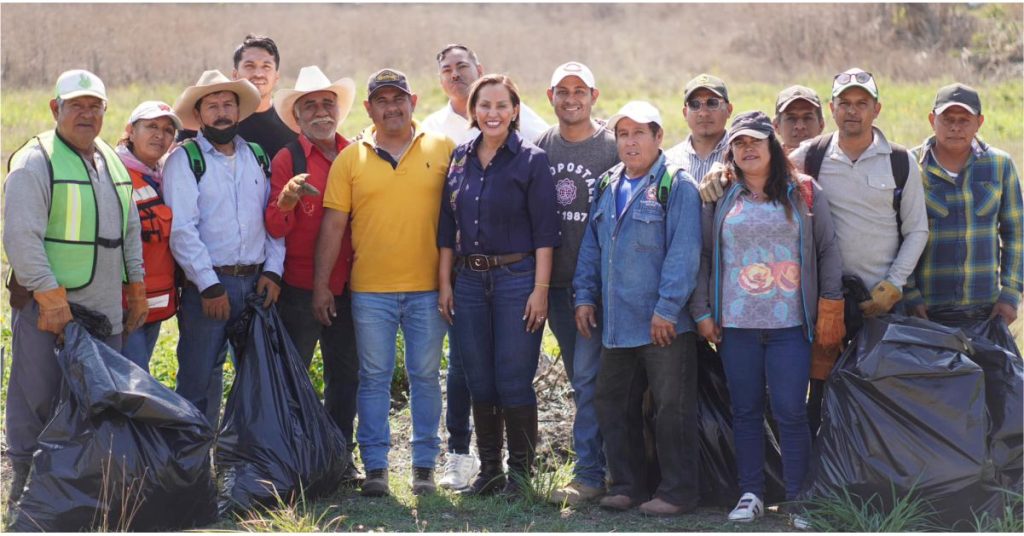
(845, 78)
(711, 104)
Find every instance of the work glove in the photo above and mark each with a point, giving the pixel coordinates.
(831, 327)
(215, 302)
(823, 358)
(54, 311)
(712, 185)
(138, 307)
(883, 297)
(289, 196)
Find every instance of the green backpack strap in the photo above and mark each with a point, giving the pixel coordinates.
(261, 157)
(606, 178)
(665, 184)
(195, 158)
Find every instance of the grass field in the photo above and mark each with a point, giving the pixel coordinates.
(903, 119)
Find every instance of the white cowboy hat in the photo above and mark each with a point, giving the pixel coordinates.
(213, 82)
(313, 79)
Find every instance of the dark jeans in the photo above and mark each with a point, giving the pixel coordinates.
(34, 387)
(456, 416)
(671, 374)
(138, 345)
(499, 355)
(337, 347)
(780, 359)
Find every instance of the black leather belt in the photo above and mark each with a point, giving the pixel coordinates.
(108, 243)
(238, 270)
(483, 263)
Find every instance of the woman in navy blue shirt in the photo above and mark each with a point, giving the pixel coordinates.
(498, 229)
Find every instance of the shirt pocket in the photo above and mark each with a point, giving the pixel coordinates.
(987, 196)
(649, 222)
(936, 206)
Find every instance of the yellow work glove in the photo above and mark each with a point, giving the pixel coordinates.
(883, 297)
(54, 311)
(138, 307)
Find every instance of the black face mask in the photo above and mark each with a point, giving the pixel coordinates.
(220, 136)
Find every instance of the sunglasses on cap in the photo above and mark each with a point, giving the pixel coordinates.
(711, 104)
(845, 78)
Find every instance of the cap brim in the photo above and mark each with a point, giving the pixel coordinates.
(389, 84)
(83, 93)
(871, 91)
(174, 118)
(589, 83)
(686, 96)
(747, 132)
(614, 120)
(782, 107)
(948, 105)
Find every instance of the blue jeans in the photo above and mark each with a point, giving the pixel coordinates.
(202, 344)
(138, 345)
(499, 355)
(783, 358)
(377, 317)
(456, 416)
(582, 359)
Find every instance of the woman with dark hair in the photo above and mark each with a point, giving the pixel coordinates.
(498, 229)
(770, 282)
(143, 147)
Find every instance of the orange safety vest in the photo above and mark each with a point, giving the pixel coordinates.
(155, 219)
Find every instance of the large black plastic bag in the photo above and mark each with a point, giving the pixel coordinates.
(718, 476)
(997, 354)
(276, 437)
(120, 452)
(905, 408)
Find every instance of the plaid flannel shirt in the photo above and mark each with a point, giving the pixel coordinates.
(975, 250)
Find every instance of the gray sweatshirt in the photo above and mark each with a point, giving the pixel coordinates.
(860, 196)
(26, 210)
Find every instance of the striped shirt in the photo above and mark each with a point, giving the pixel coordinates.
(975, 250)
(684, 156)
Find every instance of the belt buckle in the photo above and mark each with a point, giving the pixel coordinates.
(477, 263)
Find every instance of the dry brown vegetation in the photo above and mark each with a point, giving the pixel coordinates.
(662, 44)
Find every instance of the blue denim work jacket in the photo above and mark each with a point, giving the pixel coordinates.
(643, 263)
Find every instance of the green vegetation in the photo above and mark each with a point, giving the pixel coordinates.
(845, 512)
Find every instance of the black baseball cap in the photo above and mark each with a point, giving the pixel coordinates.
(755, 124)
(387, 77)
(794, 93)
(709, 82)
(957, 95)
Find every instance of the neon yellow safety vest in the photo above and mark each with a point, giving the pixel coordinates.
(71, 233)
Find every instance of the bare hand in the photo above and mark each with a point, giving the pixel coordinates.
(218, 308)
(712, 185)
(709, 330)
(536, 309)
(323, 305)
(1006, 311)
(267, 286)
(586, 318)
(289, 196)
(920, 311)
(446, 304)
(662, 331)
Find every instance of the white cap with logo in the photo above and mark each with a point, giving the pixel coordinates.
(153, 110)
(573, 68)
(79, 83)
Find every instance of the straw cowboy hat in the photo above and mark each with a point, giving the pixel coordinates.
(213, 82)
(313, 79)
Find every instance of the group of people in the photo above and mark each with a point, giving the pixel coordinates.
(484, 224)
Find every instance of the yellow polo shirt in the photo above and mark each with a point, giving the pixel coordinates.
(394, 211)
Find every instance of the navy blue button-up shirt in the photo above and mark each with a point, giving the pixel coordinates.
(509, 207)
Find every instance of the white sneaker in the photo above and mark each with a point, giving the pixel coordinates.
(459, 470)
(748, 509)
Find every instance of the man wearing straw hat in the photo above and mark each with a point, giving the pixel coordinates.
(314, 110)
(71, 234)
(217, 190)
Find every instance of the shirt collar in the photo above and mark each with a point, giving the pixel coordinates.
(688, 144)
(651, 173)
(366, 136)
(513, 142)
(308, 145)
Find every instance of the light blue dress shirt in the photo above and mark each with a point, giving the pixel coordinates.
(219, 220)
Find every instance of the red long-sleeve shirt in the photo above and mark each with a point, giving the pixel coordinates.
(300, 226)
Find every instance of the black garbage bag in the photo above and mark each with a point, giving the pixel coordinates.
(997, 354)
(121, 452)
(276, 440)
(718, 476)
(905, 410)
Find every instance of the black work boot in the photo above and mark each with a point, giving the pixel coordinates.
(521, 427)
(21, 470)
(489, 438)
